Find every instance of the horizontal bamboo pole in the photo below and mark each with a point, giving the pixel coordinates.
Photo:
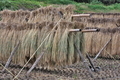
(81, 15)
(87, 30)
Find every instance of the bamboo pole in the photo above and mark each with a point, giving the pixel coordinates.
(10, 58)
(87, 30)
(80, 30)
(81, 15)
(90, 30)
(91, 63)
(35, 63)
(101, 50)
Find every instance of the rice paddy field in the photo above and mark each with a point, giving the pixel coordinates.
(46, 31)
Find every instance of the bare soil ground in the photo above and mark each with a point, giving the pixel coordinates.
(109, 70)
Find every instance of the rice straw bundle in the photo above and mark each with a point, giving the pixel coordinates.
(118, 47)
(50, 14)
(88, 42)
(18, 16)
(59, 46)
(118, 22)
(95, 41)
(42, 14)
(105, 15)
(115, 39)
(32, 27)
(107, 51)
(3, 36)
(100, 22)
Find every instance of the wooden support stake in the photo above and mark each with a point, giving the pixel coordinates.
(83, 60)
(91, 63)
(10, 58)
(101, 50)
(35, 63)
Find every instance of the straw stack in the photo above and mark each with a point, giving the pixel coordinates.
(96, 22)
(95, 41)
(105, 15)
(41, 14)
(109, 24)
(32, 27)
(106, 20)
(59, 46)
(99, 22)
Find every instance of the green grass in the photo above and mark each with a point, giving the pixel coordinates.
(94, 6)
(20, 4)
(25, 4)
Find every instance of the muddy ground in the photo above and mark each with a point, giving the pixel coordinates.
(109, 70)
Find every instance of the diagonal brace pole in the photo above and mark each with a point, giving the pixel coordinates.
(35, 63)
(91, 63)
(84, 62)
(10, 58)
(101, 50)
